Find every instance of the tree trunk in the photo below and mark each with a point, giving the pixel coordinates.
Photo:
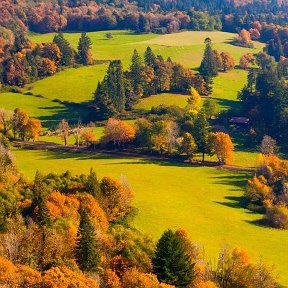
(203, 157)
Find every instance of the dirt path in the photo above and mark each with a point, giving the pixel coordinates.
(73, 149)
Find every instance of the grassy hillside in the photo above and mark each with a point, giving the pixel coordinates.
(205, 201)
(187, 48)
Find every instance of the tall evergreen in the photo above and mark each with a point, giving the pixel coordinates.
(209, 66)
(39, 204)
(171, 262)
(86, 248)
(135, 72)
(67, 51)
(92, 184)
(150, 58)
(201, 133)
(102, 101)
(115, 85)
(84, 55)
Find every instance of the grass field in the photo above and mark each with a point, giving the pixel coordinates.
(187, 48)
(165, 98)
(205, 201)
(47, 111)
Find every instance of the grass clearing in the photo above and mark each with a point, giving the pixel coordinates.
(165, 99)
(205, 201)
(73, 85)
(47, 111)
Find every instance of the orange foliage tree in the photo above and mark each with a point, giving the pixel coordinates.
(222, 146)
(118, 132)
(115, 198)
(134, 278)
(228, 61)
(33, 129)
(247, 60)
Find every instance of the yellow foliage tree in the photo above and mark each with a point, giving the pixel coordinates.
(194, 101)
(222, 146)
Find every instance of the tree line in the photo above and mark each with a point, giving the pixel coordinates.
(264, 98)
(23, 62)
(142, 16)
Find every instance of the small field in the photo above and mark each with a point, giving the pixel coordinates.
(205, 201)
(165, 98)
(47, 111)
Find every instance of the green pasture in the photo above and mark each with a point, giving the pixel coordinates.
(165, 98)
(205, 201)
(47, 111)
(78, 85)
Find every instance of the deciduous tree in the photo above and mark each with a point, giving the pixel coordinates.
(222, 146)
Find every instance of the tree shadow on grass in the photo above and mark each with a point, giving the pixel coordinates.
(227, 103)
(238, 202)
(237, 179)
(70, 112)
(54, 155)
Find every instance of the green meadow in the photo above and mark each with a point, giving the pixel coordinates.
(205, 201)
(78, 84)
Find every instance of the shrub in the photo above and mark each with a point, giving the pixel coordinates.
(277, 216)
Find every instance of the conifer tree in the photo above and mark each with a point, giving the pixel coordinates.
(135, 73)
(84, 55)
(115, 85)
(39, 205)
(102, 101)
(66, 50)
(201, 134)
(86, 248)
(209, 65)
(92, 184)
(171, 262)
(150, 58)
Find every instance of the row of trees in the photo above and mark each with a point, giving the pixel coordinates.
(23, 62)
(267, 190)
(120, 90)
(20, 124)
(264, 98)
(71, 15)
(165, 136)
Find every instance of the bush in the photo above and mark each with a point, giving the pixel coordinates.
(277, 216)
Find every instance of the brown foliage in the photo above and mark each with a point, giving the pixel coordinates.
(118, 132)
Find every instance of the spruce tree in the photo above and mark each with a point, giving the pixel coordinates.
(201, 133)
(92, 184)
(209, 65)
(39, 205)
(86, 248)
(67, 51)
(150, 58)
(135, 73)
(84, 55)
(171, 262)
(115, 85)
(102, 101)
